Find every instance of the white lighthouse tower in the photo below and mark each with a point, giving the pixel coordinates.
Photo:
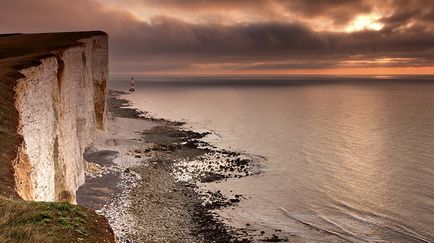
(132, 89)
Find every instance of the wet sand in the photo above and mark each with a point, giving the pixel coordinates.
(146, 176)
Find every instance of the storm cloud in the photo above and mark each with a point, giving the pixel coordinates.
(168, 35)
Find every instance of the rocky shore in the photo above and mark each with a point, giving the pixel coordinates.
(144, 175)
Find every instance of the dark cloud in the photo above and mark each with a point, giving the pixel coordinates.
(172, 37)
(339, 11)
(414, 13)
(276, 41)
(170, 42)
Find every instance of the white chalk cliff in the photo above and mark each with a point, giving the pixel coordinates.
(61, 102)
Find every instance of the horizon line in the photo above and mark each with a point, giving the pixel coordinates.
(258, 75)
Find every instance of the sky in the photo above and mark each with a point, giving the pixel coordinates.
(187, 37)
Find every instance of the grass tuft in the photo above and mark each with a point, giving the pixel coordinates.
(22, 221)
(62, 206)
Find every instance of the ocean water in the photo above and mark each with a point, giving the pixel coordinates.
(347, 158)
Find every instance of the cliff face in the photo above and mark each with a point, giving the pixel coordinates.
(60, 100)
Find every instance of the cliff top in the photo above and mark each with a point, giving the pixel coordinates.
(21, 50)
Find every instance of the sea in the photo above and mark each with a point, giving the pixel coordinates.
(346, 158)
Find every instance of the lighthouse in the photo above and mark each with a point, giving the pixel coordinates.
(132, 89)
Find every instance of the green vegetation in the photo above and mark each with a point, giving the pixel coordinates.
(22, 221)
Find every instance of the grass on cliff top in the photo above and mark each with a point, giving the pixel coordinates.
(22, 221)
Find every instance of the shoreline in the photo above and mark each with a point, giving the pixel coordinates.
(144, 175)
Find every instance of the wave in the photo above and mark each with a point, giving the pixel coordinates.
(346, 233)
(313, 226)
(379, 222)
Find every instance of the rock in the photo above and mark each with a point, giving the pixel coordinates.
(60, 103)
(234, 200)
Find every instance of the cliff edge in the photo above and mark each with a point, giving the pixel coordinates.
(53, 98)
